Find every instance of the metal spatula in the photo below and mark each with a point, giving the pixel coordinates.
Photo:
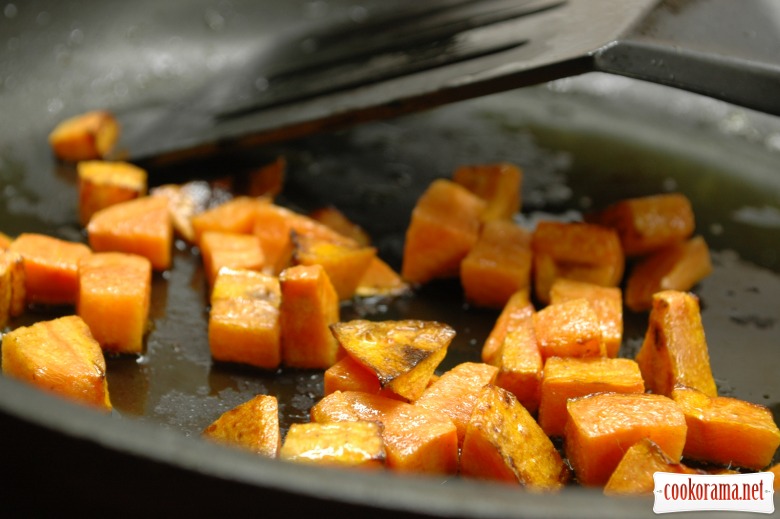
(405, 57)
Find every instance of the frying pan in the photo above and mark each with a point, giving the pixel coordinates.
(582, 142)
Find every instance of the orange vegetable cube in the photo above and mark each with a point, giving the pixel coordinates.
(309, 306)
(51, 268)
(520, 363)
(5, 241)
(252, 425)
(674, 351)
(504, 443)
(566, 378)
(498, 265)
(226, 249)
(569, 329)
(347, 444)
(498, 184)
(456, 391)
(517, 309)
(676, 267)
(444, 226)
(344, 264)
(114, 296)
(105, 183)
(602, 426)
(634, 473)
(13, 296)
(268, 180)
(244, 324)
(727, 431)
(416, 439)
(140, 226)
(87, 136)
(236, 216)
(347, 374)
(338, 221)
(380, 279)
(59, 356)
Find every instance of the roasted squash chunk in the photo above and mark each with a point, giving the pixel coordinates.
(59, 356)
(727, 431)
(416, 439)
(252, 425)
(227, 249)
(504, 443)
(105, 183)
(498, 184)
(87, 136)
(674, 351)
(520, 363)
(236, 216)
(13, 298)
(344, 264)
(380, 279)
(516, 310)
(347, 444)
(569, 329)
(5, 241)
(634, 473)
(403, 354)
(338, 221)
(350, 375)
(267, 180)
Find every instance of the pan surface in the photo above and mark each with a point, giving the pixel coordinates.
(582, 143)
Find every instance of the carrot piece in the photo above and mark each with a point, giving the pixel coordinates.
(498, 184)
(309, 306)
(416, 439)
(344, 264)
(268, 180)
(141, 226)
(252, 425)
(569, 329)
(444, 226)
(602, 426)
(114, 296)
(504, 443)
(59, 356)
(380, 279)
(404, 354)
(347, 374)
(648, 223)
(516, 309)
(13, 296)
(498, 265)
(634, 473)
(676, 267)
(338, 221)
(607, 302)
(51, 268)
(520, 363)
(456, 391)
(87, 136)
(566, 378)
(105, 183)
(727, 431)
(236, 216)
(346, 444)
(227, 249)
(244, 324)
(674, 350)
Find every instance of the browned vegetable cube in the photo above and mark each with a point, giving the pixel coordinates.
(104, 183)
(347, 444)
(252, 425)
(515, 311)
(228, 249)
(520, 363)
(13, 298)
(87, 136)
(569, 329)
(498, 184)
(634, 473)
(345, 264)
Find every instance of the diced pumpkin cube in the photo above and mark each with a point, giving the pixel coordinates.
(140, 226)
(601, 427)
(569, 329)
(607, 302)
(105, 183)
(236, 216)
(114, 296)
(13, 296)
(444, 226)
(59, 356)
(227, 249)
(345, 444)
(416, 439)
(520, 363)
(517, 309)
(268, 180)
(498, 265)
(504, 443)
(648, 223)
(676, 267)
(674, 351)
(344, 264)
(309, 306)
(404, 354)
(51, 268)
(338, 221)
(380, 279)
(456, 391)
(727, 431)
(498, 184)
(244, 325)
(634, 473)
(252, 425)
(566, 378)
(87, 136)
(347, 374)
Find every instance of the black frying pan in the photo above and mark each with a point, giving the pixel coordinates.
(582, 143)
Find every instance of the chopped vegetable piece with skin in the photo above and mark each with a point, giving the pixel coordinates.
(350, 375)
(344, 264)
(569, 329)
(417, 440)
(380, 279)
(252, 425)
(504, 443)
(602, 426)
(88, 136)
(226, 249)
(105, 183)
(404, 354)
(516, 310)
(727, 431)
(674, 351)
(520, 363)
(114, 297)
(51, 268)
(59, 356)
(634, 473)
(346, 444)
(13, 295)
(498, 184)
